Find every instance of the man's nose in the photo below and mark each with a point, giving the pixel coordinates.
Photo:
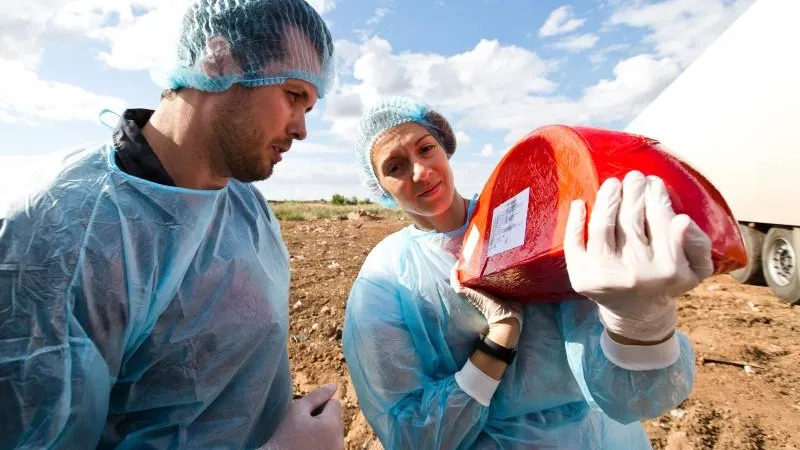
(297, 128)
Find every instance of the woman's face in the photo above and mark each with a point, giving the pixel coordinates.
(413, 168)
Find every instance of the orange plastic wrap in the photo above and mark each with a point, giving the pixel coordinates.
(513, 246)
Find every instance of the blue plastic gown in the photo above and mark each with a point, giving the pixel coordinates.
(135, 315)
(407, 333)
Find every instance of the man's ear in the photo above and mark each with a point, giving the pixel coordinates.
(217, 58)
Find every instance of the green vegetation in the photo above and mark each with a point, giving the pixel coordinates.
(337, 208)
(338, 199)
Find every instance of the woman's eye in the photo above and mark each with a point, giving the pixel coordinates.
(394, 169)
(428, 148)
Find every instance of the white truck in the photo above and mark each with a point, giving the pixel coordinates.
(734, 115)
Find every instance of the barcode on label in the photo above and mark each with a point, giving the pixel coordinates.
(509, 221)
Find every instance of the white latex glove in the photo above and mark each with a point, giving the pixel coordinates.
(640, 255)
(493, 308)
(312, 422)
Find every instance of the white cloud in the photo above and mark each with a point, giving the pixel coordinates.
(637, 81)
(375, 67)
(344, 106)
(680, 29)
(145, 41)
(462, 139)
(24, 28)
(378, 15)
(470, 177)
(19, 38)
(509, 89)
(560, 21)
(493, 87)
(488, 73)
(322, 6)
(347, 52)
(27, 99)
(601, 55)
(487, 150)
(25, 25)
(578, 42)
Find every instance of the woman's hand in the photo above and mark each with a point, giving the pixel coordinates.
(639, 256)
(505, 319)
(503, 316)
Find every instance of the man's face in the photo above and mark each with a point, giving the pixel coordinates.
(253, 127)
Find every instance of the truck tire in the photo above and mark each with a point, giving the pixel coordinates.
(753, 243)
(779, 261)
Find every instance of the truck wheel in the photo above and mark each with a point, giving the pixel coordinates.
(779, 260)
(752, 272)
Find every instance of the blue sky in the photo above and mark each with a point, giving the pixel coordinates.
(496, 68)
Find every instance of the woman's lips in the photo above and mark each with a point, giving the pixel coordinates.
(431, 191)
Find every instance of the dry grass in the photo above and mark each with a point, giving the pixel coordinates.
(303, 211)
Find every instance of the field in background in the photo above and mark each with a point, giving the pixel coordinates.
(305, 211)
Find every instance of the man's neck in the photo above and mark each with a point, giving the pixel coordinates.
(179, 140)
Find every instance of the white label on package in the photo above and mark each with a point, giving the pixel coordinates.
(509, 221)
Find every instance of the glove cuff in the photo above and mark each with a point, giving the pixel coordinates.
(652, 324)
(641, 357)
(476, 384)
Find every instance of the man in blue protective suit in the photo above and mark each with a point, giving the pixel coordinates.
(144, 285)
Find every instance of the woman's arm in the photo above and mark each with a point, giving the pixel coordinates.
(407, 404)
(640, 383)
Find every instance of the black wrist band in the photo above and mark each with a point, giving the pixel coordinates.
(495, 350)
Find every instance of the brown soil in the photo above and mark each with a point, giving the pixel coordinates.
(732, 407)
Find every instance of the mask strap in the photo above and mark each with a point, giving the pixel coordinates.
(104, 112)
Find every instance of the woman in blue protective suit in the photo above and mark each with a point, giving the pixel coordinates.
(437, 365)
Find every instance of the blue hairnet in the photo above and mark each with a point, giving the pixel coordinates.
(389, 113)
(407, 333)
(136, 315)
(250, 42)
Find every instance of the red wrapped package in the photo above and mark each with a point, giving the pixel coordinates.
(513, 246)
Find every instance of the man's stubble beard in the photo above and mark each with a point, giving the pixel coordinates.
(238, 144)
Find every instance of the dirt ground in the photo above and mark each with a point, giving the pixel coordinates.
(752, 403)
